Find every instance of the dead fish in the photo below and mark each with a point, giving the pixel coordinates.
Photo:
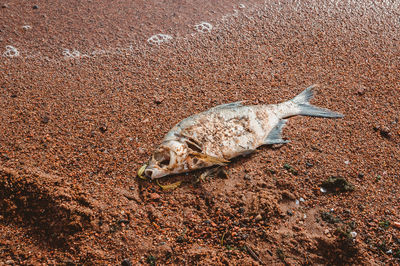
(226, 131)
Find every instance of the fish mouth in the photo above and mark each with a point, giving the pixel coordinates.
(154, 173)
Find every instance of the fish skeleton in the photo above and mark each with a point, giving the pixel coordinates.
(221, 133)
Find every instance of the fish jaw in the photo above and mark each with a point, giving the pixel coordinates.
(167, 159)
(178, 156)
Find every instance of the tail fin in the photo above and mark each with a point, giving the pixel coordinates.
(305, 108)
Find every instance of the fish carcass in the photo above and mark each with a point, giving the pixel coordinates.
(227, 131)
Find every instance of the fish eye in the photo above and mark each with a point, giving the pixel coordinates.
(164, 162)
(162, 158)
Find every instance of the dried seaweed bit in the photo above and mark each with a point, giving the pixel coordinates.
(290, 169)
(337, 184)
(222, 238)
(253, 254)
(280, 254)
(169, 186)
(151, 260)
(384, 224)
(329, 218)
(141, 171)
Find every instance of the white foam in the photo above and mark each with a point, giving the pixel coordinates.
(203, 27)
(159, 38)
(74, 54)
(11, 51)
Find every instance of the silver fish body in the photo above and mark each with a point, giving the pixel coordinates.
(227, 131)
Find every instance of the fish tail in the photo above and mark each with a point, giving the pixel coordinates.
(303, 106)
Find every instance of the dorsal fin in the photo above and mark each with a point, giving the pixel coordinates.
(228, 105)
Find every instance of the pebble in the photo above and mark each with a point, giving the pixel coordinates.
(385, 132)
(4, 6)
(158, 99)
(155, 196)
(258, 218)
(323, 190)
(126, 262)
(35, 7)
(45, 119)
(103, 129)
(361, 91)
(353, 234)
(309, 165)
(289, 212)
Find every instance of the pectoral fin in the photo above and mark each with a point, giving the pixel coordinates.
(274, 137)
(210, 159)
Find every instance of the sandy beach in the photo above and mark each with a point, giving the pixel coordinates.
(88, 89)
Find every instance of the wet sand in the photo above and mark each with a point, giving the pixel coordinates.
(85, 99)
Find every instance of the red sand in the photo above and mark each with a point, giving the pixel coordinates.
(74, 131)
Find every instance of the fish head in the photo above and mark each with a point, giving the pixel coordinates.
(171, 157)
(178, 156)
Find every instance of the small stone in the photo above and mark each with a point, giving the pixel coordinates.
(289, 212)
(360, 175)
(326, 232)
(35, 7)
(297, 202)
(241, 210)
(9, 262)
(4, 6)
(301, 200)
(258, 218)
(361, 91)
(103, 129)
(126, 262)
(243, 236)
(45, 119)
(323, 190)
(353, 234)
(385, 132)
(155, 196)
(309, 165)
(158, 99)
